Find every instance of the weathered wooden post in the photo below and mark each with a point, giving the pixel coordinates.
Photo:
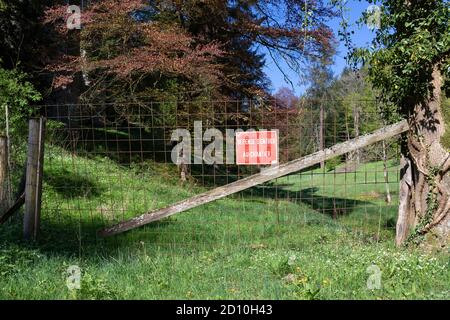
(4, 174)
(33, 187)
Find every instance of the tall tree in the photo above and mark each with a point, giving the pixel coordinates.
(121, 50)
(320, 77)
(18, 20)
(113, 33)
(411, 68)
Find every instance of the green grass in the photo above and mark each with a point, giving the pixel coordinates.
(250, 246)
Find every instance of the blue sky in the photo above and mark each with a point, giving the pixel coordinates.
(362, 36)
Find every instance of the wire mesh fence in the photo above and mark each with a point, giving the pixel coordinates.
(108, 163)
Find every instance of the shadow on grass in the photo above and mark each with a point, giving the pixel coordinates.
(72, 233)
(135, 144)
(78, 238)
(332, 206)
(71, 185)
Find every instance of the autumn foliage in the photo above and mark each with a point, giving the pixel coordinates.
(119, 44)
(196, 44)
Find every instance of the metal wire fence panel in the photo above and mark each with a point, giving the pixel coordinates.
(107, 163)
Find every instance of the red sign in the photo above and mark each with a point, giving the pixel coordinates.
(257, 147)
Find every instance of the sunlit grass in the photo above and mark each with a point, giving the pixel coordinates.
(253, 245)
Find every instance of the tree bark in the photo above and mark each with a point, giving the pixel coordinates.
(385, 172)
(356, 114)
(184, 172)
(350, 156)
(4, 175)
(425, 184)
(321, 133)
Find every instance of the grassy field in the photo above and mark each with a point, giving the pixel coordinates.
(250, 246)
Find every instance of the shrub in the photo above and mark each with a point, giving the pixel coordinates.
(331, 164)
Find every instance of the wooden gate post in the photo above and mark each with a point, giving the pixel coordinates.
(33, 187)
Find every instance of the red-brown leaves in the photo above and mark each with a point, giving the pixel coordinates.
(120, 45)
(190, 39)
(164, 58)
(101, 10)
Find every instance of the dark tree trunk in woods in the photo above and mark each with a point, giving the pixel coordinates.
(4, 175)
(184, 172)
(183, 167)
(321, 133)
(425, 179)
(385, 173)
(356, 114)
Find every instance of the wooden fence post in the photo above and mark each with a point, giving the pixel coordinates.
(33, 187)
(4, 175)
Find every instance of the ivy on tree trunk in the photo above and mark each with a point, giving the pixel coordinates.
(410, 66)
(425, 183)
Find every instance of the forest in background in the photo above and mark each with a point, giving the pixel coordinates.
(180, 53)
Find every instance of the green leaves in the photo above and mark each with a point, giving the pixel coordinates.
(414, 36)
(15, 90)
(16, 93)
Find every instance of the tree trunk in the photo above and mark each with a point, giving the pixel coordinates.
(4, 175)
(356, 114)
(350, 156)
(184, 172)
(183, 167)
(425, 181)
(321, 133)
(385, 172)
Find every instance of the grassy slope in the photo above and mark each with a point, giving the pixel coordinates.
(236, 248)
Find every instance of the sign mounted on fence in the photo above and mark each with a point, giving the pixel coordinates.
(257, 147)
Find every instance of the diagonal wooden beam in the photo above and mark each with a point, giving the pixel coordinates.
(256, 179)
(16, 206)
